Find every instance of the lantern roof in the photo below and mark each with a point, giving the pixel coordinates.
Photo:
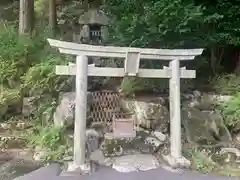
(94, 16)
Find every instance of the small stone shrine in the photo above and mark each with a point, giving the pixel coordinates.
(93, 27)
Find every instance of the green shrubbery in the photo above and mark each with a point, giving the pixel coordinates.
(28, 65)
(229, 85)
(201, 160)
(226, 84)
(52, 139)
(48, 136)
(28, 69)
(231, 112)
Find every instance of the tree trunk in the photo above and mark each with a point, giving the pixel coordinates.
(26, 16)
(52, 16)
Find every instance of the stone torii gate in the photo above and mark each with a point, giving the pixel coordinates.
(131, 68)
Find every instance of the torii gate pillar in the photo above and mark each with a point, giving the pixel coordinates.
(80, 110)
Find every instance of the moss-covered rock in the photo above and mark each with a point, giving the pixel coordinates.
(205, 128)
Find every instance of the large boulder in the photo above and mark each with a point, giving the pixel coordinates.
(145, 142)
(150, 113)
(65, 111)
(205, 127)
(203, 124)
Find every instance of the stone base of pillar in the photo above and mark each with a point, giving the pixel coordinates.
(74, 170)
(181, 162)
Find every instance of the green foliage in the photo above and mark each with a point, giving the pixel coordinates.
(213, 25)
(50, 137)
(231, 112)
(158, 24)
(62, 152)
(154, 23)
(221, 22)
(14, 55)
(18, 54)
(71, 12)
(174, 23)
(8, 96)
(202, 160)
(41, 78)
(52, 140)
(131, 85)
(229, 84)
(43, 114)
(28, 69)
(41, 7)
(226, 84)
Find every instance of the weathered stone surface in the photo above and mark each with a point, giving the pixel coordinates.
(9, 141)
(156, 143)
(93, 16)
(204, 101)
(181, 162)
(144, 142)
(92, 143)
(5, 126)
(232, 153)
(64, 115)
(204, 128)
(73, 169)
(150, 113)
(226, 157)
(218, 98)
(136, 162)
(92, 140)
(10, 125)
(28, 106)
(236, 140)
(98, 157)
(39, 153)
(158, 134)
(101, 128)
